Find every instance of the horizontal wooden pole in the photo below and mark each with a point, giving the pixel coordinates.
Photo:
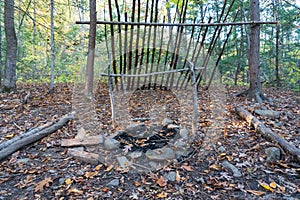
(177, 24)
(149, 74)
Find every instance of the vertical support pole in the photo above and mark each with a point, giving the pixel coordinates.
(112, 99)
(195, 98)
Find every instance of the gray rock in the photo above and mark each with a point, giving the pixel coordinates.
(171, 176)
(183, 152)
(268, 113)
(110, 143)
(161, 154)
(123, 162)
(135, 154)
(136, 128)
(172, 126)
(232, 168)
(52, 171)
(23, 160)
(153, 164)
(61, 181)
(166, 122)
(221, 149)
(180, 143)
(184, 134)
(114, 183)
(273, 154)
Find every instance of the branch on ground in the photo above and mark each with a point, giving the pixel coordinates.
(268, 134)
(11, 146)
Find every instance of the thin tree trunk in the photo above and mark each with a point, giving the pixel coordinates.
(276, 7)
(10, 77)
(51, 90)
(34, 74)
(81, 17)
(1, 64)
(89, 77)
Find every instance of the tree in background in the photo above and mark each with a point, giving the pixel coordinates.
(254, 90)
(51, 90)
(1, 46)
(10, 77)
(89, 74)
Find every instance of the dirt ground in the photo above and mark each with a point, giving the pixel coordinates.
(44, 170)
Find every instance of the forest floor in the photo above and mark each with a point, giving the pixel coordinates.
(44, 169)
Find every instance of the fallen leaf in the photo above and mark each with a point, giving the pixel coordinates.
(109, 168)
(162, 195)
(215, 167)
(188, 168)
(178, 176)
(273, 185)
(161, 181)
(68, 181)
(39, 187)
(90, 174)
(137, 184)
(255, 192)
(105, 189)
(265, 186)
(98, 167)
(9, 136)
(74, 191)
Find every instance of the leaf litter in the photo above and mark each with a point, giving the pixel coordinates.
(45, 170)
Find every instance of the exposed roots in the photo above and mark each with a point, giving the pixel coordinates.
(256, 94)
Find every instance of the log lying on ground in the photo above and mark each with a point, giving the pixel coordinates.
(268, 134)
(10, 146)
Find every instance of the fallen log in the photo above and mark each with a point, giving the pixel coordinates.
(268, 134)
(10, 146)
(24, 135)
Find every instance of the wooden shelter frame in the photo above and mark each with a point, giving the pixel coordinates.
(124, 67)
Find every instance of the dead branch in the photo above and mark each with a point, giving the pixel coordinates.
(267, 133)
(10, 146)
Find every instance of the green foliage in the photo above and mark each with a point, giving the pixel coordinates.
(71, 39)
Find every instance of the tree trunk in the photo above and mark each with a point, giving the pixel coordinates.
(1, 47)
(276, 6)
(89, 77)
(254, 91)
(10, 77)
(34, 74)
(254, 57)
(51, 90)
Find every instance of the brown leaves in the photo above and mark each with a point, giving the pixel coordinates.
(39, 187)
(74, 191)
(187, 168)
(255, 192)
(90, 174)
(161, 181)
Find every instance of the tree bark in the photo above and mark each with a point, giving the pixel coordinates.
(267, 133)
(276, 7)
(51, 90)
(254, 91)
(1, 64)
(10, 146)
(10, 77)
(89, 77)
(254, 57)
